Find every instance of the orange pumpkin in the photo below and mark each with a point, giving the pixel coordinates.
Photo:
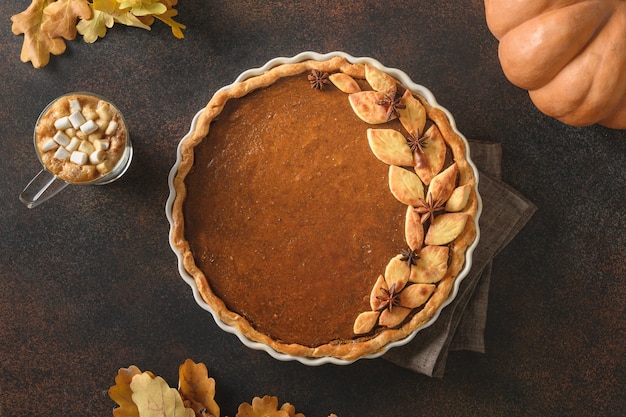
(569, 54)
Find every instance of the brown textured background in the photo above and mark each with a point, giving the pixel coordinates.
(88, 283)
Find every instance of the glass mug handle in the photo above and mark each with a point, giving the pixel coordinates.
(41, 188)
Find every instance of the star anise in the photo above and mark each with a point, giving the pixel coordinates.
(389, 298)
(409, 256)
(392, 102)
(417, 142)
(428, 208)
(318, 79)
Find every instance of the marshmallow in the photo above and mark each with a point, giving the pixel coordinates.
(49, 145)
(111, 128)
(79, 158)
(89, 113)
(62, 123)
(70, 132)
(74, 144)
(103, 111)
(89, 127)
(101, 144)
(94, 137)
(61, 139)
(74, 105)
(103, 167)
(61, 154)
(96, 157)
(80, 134)
(76, 119)
(86, 147)
(102, 124)
(90, 170)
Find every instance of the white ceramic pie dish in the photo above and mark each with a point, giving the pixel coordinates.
(407, 82)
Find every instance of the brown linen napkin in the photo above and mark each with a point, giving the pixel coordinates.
(461, 325)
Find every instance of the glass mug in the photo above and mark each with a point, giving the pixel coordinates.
(80, 139)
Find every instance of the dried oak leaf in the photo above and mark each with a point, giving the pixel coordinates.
(196, 387)
(167, 17)
(96, 27)
(38, 44)
(266, 407)
(62, 16)
(154, 398)
(122, 394)
(143, 7)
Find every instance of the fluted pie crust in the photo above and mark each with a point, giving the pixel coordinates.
(240, 273)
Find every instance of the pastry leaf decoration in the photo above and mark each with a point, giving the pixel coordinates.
(445, 228)
(364, 104)
(459, 198)
(412, 115)
(431, 266)
(417, 178)
(442, 185)
(390, 147)
(413, 229)
(430, 162)
(380, 81)
(344, 82)
(405, 186)
(47, 24)
(393, 297)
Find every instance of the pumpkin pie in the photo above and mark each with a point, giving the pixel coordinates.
(324, 209)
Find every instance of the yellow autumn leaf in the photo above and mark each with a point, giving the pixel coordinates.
(122, 394)
(96, 27)
(38, 44)
(62, 17)
(154, 398)
(291, 410)
(143, 7)
(111, 8)
(195, 386)
(262, 407)
(129, 19)
(177, 28)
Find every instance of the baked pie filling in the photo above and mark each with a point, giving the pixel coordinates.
(323, 209)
